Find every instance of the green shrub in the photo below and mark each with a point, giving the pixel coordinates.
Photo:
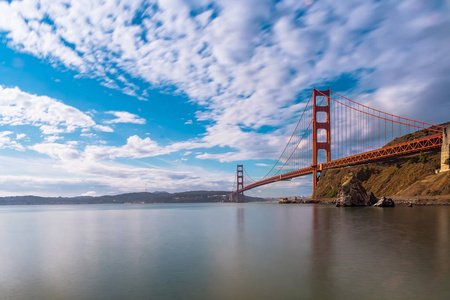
(364, 174)
(331, 193)
(422, 159)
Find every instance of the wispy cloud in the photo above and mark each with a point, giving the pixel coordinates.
(75, 171)
(125, 117)
(7, 140)
(49, 115)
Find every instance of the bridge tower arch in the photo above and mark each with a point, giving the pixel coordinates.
(316, 125)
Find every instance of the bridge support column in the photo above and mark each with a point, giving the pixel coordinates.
(320, 125)
(445, 150)
(240, 183)
(314, 179)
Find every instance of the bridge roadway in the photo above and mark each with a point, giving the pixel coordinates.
(423, 144)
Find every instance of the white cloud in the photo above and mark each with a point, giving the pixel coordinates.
(125, 117)
(90, 193)
(75, 170)
(64, 152)
(50, 115)
(20, 136)
(135, 148)
(6, 141)
(52, 138)
(103, 128)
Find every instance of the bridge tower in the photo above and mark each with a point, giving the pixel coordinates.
(240, 183)
(320, 125)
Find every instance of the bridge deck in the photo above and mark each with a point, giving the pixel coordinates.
(423, 144)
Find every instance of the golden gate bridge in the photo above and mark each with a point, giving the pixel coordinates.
(334, 131)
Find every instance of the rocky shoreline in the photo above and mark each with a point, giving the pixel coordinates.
(352, 193)
(398, 201)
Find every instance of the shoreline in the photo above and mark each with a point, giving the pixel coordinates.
(399, 200)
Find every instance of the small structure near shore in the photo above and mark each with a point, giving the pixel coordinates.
(285, 201)
(290, 200)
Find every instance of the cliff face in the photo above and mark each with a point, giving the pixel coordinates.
(402, 177)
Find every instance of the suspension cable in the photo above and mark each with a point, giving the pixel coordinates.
(298, 123)
(281, 168)
(410, 120)
(390, 120)
(251, 179)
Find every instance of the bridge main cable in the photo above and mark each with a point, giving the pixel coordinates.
(289, 141)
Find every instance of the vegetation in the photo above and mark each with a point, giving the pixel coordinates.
(422, 159)
(331, 194)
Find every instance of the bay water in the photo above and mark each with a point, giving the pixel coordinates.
(224, 251)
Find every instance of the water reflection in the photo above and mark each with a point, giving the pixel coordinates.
(229, 251)
(401, 252)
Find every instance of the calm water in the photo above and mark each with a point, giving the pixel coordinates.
(224, 251)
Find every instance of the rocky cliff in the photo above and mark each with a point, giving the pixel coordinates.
(410, 177)
(404, 177)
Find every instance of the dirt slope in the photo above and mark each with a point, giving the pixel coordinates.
(402, 177)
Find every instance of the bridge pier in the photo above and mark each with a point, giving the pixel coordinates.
(314, 179)
(445, 149)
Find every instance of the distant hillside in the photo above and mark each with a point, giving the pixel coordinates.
(157, 197)
(404, 177)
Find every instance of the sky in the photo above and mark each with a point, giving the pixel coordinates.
(115, 96)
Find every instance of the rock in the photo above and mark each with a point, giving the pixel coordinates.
(352, 193)
(373, 199)
(409, 204)
(385, 202)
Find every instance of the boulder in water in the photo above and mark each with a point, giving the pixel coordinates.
(352, 193)
(373, 199)
(385, 202)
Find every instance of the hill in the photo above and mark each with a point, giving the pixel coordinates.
(141, 198)
(406, 178)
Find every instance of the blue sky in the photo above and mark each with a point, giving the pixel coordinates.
(106, 97)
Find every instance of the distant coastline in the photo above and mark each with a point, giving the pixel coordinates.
(129, 198)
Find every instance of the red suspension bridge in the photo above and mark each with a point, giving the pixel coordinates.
(334, 131)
